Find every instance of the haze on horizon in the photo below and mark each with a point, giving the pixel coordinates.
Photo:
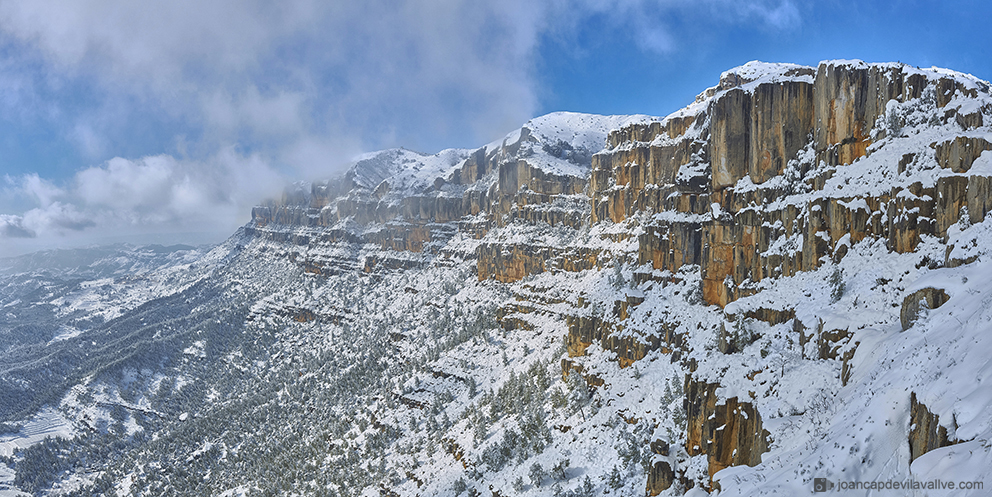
(165, 122)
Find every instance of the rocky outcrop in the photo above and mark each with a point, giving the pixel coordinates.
(846, 106)
(771, 316)
(520, 175)
(837, 344)
(669, 245)
(916, 302)
(960, 153)
(509, 262)
(755, 133)
(749, 129)
(730, 146)
(583, 331)
(383, 202)
(925, 431)
(644, 163)
(660, 478)
(554, 210)
(728, 431)
(782, 120)
(741, 133)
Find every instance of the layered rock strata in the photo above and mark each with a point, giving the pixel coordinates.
(706, 172)
(778, 169)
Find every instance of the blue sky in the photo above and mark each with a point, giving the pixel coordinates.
(164, 121)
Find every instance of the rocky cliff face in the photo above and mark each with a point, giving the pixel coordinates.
(402, 201)
(727, 431)
(747, 190)
(691, 240)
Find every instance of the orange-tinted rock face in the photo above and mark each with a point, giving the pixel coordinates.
(728, 256)
(646, 132)
(475, 167)
(669, 246)
(843, 114)
(660, 478)
(951, 196)
(734, 248)
(405, 237)
(583, 331)
(781, 123)
(978, 197)
(730, 432)
(925, 432)
(513, 262)
(641, 174)
(755, 133)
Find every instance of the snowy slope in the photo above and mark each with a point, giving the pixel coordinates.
(406, 171)
(330, 359)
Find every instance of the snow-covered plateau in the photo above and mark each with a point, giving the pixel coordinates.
(780, 289)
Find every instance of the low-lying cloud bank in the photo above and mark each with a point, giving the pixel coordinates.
(144, 197)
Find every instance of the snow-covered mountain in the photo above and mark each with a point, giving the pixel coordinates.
(784, 283)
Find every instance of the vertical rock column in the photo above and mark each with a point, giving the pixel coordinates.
(843, 122)
(729, 432)
(753, 133)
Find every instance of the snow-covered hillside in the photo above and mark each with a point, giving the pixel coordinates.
(784, 283)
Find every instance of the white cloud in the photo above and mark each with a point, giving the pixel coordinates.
(123, 184)
(11, 226)
(154, 42)
(389, 73)
(55, 217)
(40, 190)
(152, 195)
(164, 191)
(651, 24)
(250, 92)
(283, 114)
(312, 156)
(775, 14)
(419, 72)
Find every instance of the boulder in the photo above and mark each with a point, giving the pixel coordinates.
(914, 303)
